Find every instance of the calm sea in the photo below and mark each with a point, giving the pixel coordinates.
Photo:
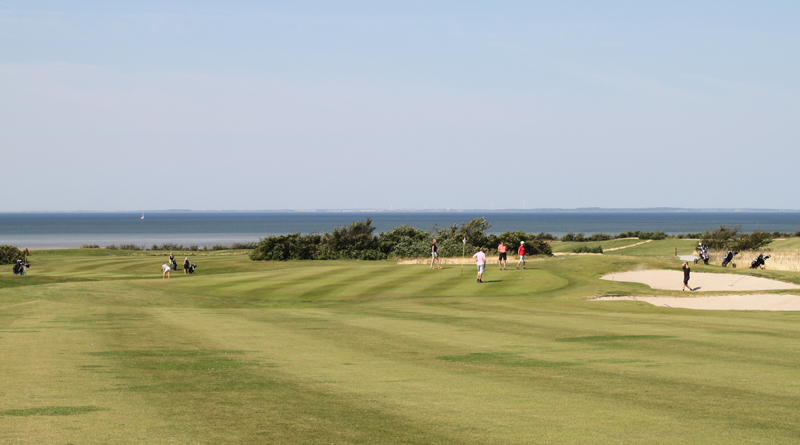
(66, 230)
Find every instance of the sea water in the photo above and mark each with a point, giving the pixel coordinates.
(68, 230)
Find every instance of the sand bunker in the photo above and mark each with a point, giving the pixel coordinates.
(673, 280)
(764, 302)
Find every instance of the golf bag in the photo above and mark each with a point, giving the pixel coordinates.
(173, 265)
(192, 267)
(759, 261)
(728, 258)
(703, 252)
(20, 267)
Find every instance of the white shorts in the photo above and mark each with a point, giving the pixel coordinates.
(522, 258)
(434, 255)
(167, 269)
(481, 268)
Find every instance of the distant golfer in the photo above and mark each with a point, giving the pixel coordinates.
(435, 255)
(172, 262)
(164, 270)
(686, 271)
(502, 249)
(480, 257)
(186, 265)
(521, 253)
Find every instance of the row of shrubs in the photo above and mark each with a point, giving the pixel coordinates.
(10, 254)
(733, 238)
(358, 241)
(176, 247)
(588, 249)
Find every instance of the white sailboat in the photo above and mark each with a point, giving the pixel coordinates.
(142, 216)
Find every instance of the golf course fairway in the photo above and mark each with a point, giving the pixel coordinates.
(97, 348)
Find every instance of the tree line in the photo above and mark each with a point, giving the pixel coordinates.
(358, 241)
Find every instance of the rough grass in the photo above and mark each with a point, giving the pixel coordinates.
(562, 247)
(374, 352)
(659, 248)
(784, 259)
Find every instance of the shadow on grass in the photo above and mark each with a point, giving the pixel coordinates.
(51, 411)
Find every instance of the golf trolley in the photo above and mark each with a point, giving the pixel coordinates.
(759, 262)
(703, 252)
(728, 258)
(192, 267)
(20, 267)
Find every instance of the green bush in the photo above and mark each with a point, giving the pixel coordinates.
(474, 232)
(409, 248)
(573, 237)
(10, 254)
(534, 245)
(733, 238)
(90, 246)
(287, 247)
(643, 235)
(409, 240)
(588, 249)
(753, 241)
(355, 241)
(124, 247)
(512, 239)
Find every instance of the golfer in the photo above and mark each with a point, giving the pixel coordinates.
(480, 257)
(172, 262)
(502, 250)
(186, 265)
(434, 255)
(686, 271)
(164, 270)
(521, 253)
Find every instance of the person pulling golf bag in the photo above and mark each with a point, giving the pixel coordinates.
(759, 261)
(703, 252)
(173, 264)
(20, 267)
(192, 267)
(728, 258)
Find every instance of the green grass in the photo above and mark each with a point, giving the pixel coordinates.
(560, 246)
(659, 248)
(789, 243)
(99, 349)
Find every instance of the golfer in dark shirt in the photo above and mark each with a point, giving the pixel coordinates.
(435, 255)
(686, 271)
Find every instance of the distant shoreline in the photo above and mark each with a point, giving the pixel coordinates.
(73, 229)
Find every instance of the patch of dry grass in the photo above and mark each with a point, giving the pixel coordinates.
(784, 259)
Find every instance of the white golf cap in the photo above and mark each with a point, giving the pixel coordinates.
(522, 242)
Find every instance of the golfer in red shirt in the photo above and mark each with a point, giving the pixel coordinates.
(521, 252)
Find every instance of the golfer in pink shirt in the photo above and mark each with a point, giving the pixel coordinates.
(480, 257)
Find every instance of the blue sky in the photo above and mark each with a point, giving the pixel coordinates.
(275, 105)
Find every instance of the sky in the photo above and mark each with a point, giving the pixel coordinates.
(398, 104)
